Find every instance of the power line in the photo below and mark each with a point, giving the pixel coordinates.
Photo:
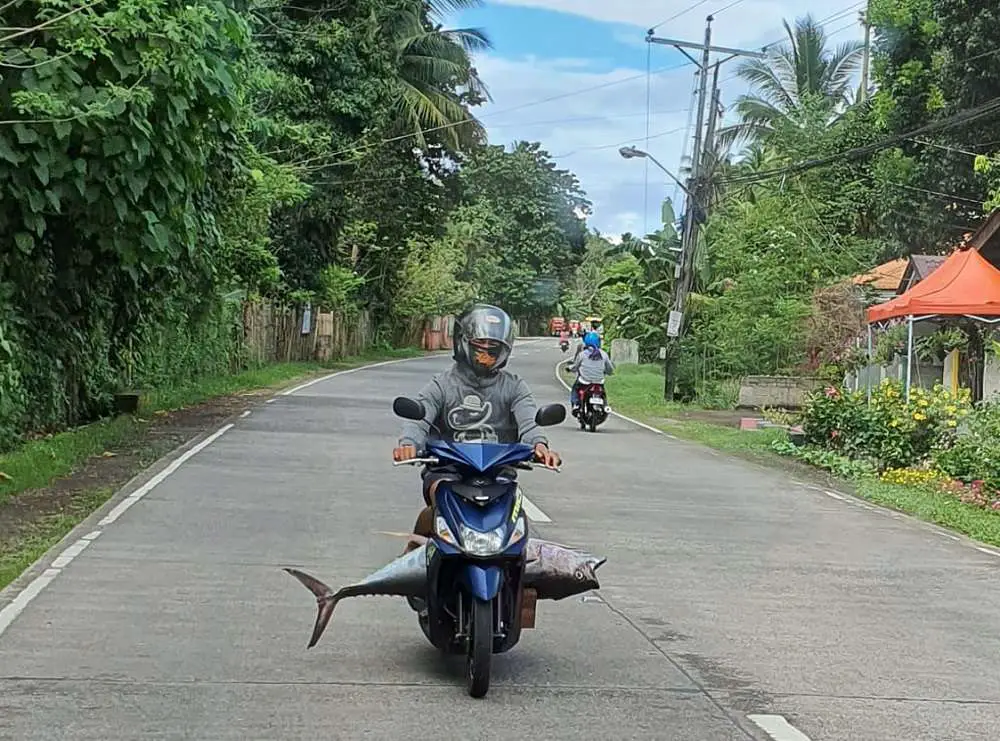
(733, 4)
(963, 117)
(598, 147)
(677, 15)
(402, 137)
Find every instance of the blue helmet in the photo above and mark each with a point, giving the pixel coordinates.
(592, 339)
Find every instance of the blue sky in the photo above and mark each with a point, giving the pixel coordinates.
(572, 74)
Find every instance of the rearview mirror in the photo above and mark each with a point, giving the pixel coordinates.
(552, 414)
(409, 408)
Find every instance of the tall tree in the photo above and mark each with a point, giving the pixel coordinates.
(803, 70)
(437, 80)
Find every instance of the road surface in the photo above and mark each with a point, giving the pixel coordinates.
(736, 604)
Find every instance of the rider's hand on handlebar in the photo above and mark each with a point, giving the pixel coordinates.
(404, 453)
(547, 457)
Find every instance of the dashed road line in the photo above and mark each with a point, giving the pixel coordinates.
(533, 512)
(778, 728)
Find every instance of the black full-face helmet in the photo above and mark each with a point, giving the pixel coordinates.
(483, 339)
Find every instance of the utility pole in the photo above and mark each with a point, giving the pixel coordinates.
(694, 204)
(866, 60)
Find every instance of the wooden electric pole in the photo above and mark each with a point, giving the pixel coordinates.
(695, 205)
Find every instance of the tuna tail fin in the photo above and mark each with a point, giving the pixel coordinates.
(326, 600)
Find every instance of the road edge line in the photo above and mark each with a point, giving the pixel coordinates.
(636, 422)
(17, 595)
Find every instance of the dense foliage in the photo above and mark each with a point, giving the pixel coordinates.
(829, 183)
(161, 161)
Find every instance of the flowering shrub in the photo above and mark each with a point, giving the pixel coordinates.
(973, 455)
(890, 432)
(915, 477)
(975, 493)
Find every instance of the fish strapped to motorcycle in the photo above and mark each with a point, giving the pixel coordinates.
(552, 572)
(474, 583)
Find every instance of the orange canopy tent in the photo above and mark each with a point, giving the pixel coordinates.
(964, 285)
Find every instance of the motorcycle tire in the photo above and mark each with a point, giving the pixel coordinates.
(593, 425)
(480, 647)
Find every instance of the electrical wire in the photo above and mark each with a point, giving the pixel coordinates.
(958, 119)
(360, 145)
(677, 15)
(598, 147)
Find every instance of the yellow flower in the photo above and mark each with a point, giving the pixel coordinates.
(952, 423)
(919, 416)
(951, 409)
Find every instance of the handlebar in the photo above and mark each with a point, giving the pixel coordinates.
(417, 462)
(524, 465)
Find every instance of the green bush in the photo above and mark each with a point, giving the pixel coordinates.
(889, 431)
(974, 454)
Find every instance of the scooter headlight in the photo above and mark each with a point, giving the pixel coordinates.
(482, 544)
(443, 531)
(520, 528)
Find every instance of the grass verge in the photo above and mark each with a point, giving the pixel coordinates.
(49, 485)
(638, 392)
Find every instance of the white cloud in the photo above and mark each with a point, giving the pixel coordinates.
(751, 22)
(584, 131)
(583, 127)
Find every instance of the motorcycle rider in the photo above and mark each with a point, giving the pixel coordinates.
(475, 400)
(590, 365)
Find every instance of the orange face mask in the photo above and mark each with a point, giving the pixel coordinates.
(485, 359)
(482, 354)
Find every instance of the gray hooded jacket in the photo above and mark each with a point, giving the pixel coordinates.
(470, 408)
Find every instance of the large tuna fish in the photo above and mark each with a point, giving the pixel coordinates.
(554, 571)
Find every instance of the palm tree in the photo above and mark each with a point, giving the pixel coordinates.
(802, 72)
(437, 79)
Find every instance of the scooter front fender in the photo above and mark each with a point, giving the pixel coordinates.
(483, 582)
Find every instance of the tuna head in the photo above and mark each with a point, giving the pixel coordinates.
(406, 576)
(556, 571)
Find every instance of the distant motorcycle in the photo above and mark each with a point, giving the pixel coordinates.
(564, 345)
(593, 406)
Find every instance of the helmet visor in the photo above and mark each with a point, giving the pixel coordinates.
(489, 324)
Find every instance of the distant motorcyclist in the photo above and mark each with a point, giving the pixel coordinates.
(474, 401)
(590, 365)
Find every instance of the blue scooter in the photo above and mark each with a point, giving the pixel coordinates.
(476, 559)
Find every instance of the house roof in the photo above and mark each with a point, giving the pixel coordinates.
(924, 265)
(965, 283)
(885, 277)
(985, 239)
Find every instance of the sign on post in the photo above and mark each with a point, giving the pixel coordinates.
(674, 323)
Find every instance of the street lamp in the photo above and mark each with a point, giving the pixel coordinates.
(632, 153)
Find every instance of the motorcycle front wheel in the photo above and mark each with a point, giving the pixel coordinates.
(480, 647)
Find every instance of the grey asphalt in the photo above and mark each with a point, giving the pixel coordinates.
(730, 590)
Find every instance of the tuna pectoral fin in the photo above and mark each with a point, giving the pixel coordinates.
(326, 600)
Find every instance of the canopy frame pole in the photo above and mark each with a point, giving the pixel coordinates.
(909, 355)
(868, 367)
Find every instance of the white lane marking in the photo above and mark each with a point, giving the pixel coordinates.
(987, 551)
(643, 425)
(70, 553)
(158, 478)
(10, 612)
(778, 728)
(15, 608)
(328, 376)
(534, 514)
(834, 494)
(245, 414)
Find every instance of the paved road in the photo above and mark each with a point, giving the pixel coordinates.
(730, 592)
